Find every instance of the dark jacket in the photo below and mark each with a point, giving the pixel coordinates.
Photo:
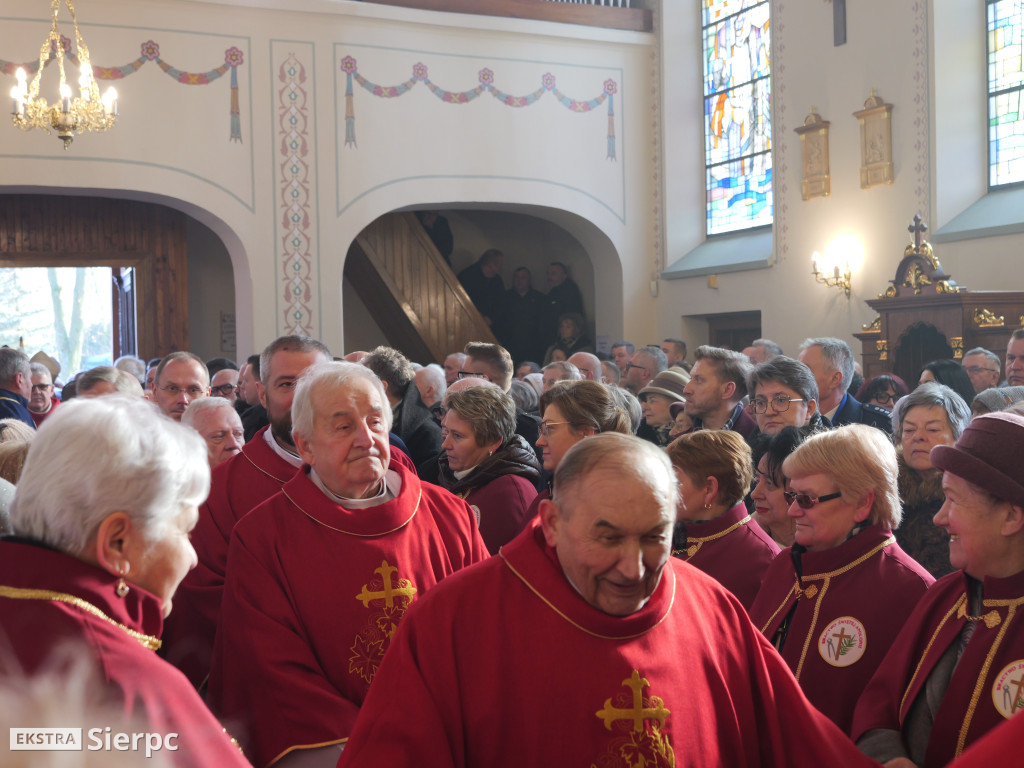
(921, 496)
(558, 301)
(14, 406)
(415, 425)
(486, 293)
(853, 411)
(520, 328)
(501, 489)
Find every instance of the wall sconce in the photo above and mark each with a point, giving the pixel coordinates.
(839, 279)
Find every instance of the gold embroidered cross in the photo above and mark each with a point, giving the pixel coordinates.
(388, 594)
(638, 713)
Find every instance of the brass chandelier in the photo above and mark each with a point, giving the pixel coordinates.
(67, 116)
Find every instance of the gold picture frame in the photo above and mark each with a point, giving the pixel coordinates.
(875, 142)
(814, 149)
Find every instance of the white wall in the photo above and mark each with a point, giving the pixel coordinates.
(289, 197)
(892, 48)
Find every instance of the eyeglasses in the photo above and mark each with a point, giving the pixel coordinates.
(883, 398)
(545, 427)
(978, 369)
(780, 404)
(634, 365)
(223, 390)
(809, 502)
(174, 390)
(41, 387)
(473, 375)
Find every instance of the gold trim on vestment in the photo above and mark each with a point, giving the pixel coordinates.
(985, 669)
(265, 472)
(308, 746)
(949, 614)
(671, 602)
(694, 547)
(16, 593)
(404, 523)
(827, 578)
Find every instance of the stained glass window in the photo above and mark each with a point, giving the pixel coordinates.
(1005, 83)
(737, 114)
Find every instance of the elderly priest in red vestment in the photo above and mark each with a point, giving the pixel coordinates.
(583, 642)
(319, 576)
(238, 485)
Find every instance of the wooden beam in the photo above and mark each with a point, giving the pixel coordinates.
(632, 19)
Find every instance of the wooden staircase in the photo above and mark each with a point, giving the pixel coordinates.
(411, 292)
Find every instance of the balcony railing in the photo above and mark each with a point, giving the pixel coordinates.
(614, 14)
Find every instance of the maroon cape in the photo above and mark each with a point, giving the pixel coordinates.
(987, 685)
(237, 486)
(851, 602)
(313, 595)
(733, 549)
(505, 665)
(995, 748)
(502, 504)
(48, 599)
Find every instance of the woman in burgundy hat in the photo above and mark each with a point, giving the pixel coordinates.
(957, 668)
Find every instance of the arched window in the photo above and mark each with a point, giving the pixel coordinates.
(737, 114)
(1005, 84)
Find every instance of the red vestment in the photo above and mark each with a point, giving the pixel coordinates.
(39, 418)
(988, 680)
(733, 549)
(313, 595)
(850, 604)
(236, 486)
(505, 665)
(48, 598)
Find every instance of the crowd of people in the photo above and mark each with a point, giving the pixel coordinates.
(304, 560)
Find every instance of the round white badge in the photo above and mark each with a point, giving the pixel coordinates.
(1008, 689)
(843, 642)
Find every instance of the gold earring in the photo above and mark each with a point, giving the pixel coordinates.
(122, 588)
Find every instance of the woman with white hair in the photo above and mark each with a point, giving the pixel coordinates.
(833, 602)
(101, 519)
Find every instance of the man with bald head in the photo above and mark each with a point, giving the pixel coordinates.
(224, 384)
(636, 646)
(587, 364)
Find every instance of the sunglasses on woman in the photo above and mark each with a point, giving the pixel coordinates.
(808, 502)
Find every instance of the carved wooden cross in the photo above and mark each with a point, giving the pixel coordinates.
(917, 229)
(638, 713)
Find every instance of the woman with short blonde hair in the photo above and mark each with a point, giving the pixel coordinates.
(834, 602)
(715, 532)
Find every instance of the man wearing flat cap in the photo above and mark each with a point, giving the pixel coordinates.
(956, 669)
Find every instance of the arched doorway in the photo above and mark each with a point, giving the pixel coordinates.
(182, 277)
(528, 236)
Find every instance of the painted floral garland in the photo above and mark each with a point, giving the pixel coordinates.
(233, 59)
(486, 79)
